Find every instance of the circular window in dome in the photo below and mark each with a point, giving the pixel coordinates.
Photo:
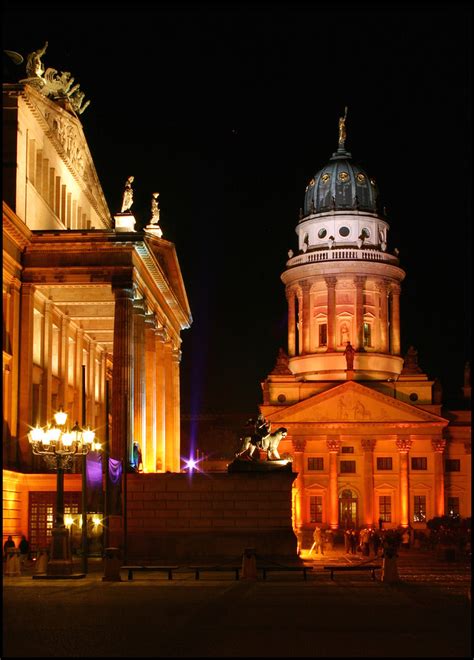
(325, 177)
(322, 233)
(343, 176)
(365, 233)
(372, 181)
(311, 183)
(281, 398)
(344, 231)
(361, 177)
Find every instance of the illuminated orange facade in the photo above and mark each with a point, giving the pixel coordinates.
(367, 432)
(80, 289)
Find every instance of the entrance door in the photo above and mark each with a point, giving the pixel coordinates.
(41, 516)
(348, 514)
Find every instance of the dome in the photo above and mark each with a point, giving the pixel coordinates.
(341, 185)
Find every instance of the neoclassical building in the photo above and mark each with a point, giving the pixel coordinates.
(368, 435)
(84, 292)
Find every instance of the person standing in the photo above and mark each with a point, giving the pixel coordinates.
(9, 543)
(24, 547)
(318, 541)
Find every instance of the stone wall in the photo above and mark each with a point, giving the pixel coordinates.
(206, 517)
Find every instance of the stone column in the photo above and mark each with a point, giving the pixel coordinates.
(78, 375)
(122, 376)
(160, 334)
(395, 320)
(25, 393)
(15, 288)
(64, 363)
(439, 445)
(139, 372)
(306, 316)
(176, 359)
(368, 445)
(169, 407)
(90, 412)
(383, 319)
(299, 445)
(290, 297)
(46, 404)
(331, 288)
(333, 444)
(404, 444)
(149, 444)
(359, 282)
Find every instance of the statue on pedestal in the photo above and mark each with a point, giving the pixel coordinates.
(349, 355)
(127, 195)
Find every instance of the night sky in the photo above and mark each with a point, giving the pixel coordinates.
(229, 110)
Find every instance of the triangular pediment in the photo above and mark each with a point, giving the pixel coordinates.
(352, 402)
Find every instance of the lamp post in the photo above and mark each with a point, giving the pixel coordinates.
(58, 446)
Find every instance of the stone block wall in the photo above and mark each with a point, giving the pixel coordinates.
(212, 516)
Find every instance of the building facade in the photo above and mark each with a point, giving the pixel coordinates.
(90, 304)
(367, 432)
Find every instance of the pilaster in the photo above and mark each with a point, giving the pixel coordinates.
(149, 442)
(359, 282)
(395, 320)
(383, 318)
(333, 444)
(439, 445)
(139, 372)
(404, 444)
(25, 394)
(290, 296)
(306, 315)
(299, 446)
(368, 446)
(176, 359)
(169, 406)
(160, 335)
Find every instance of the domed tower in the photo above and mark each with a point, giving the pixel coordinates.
(342, 285)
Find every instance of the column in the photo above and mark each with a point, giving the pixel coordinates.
(122, 376)
(15, 288)
(299, 445)
(306, 316)
(368, 446)
(439, 446)
(90, 412)
(359, 282)
(149, 441)
(290, 296)
(395, 320)
(169, 409)
(404, 444)
(160, 335)
(25, 392)
(331, 287)
(176, 359)
(63, 363)
(333, 444)
(383, 318)
(139, 373)
(78, 375)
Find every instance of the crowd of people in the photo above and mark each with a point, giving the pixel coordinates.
(367, 541)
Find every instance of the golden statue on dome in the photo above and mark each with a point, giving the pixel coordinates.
(342, 127)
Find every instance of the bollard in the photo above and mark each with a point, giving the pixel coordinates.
(390, 570)
(13, 562)
(249, 564)
(112, 563)
(42, 560)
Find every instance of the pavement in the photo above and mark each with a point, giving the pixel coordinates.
(426, 614)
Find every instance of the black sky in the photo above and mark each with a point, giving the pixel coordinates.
(229, 110)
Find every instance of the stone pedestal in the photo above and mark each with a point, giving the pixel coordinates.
(13, 563)
(61, 561)
(112, 563)
(249, 564)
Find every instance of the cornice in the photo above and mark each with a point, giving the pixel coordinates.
(15, 229)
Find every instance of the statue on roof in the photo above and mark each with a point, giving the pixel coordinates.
(127, 195)
(34, 65)
(342, 127)
(410, 364)
(155, 210)
(282, 364)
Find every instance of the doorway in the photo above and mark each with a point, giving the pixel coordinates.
(348, 509)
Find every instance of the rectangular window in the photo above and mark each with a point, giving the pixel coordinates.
(315, 463)
(347, 466)
(385, 508)
(384, 463)
(452, 465)
(367, 334)
(419, 463)
(453, 506)
(316, 508)
(323, 334)
(347, 450)
(419, 508)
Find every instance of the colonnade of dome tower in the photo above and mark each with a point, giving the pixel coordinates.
(342, 285)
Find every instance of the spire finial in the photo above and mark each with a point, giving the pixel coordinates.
(342, 128)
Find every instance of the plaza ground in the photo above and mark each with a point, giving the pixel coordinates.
(427, 614)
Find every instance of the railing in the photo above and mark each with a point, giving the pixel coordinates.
(341, 254)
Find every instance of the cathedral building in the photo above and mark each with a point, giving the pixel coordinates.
(367, 433)
(89, 300)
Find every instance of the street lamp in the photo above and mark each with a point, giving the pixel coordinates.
(58, 446)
